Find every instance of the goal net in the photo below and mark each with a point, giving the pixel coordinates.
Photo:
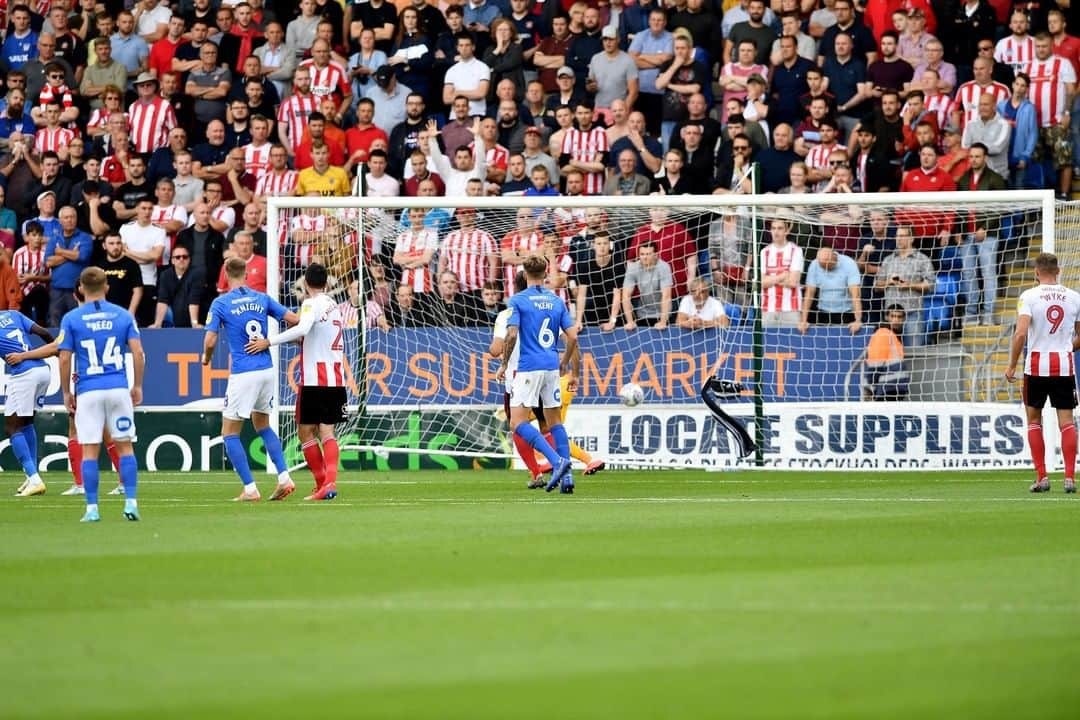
(807, 287)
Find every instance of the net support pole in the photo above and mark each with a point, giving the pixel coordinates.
(273, 289)
(759, 335)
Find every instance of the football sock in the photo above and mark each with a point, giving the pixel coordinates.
(129, 474)
(30, 433)
(90, 480)
(562, 442)
(114, 456)
(527, 454)
(331, 453)
(272, 443)
(532, 436)
(75, 460)
(234, 449)
(1038, 449)
(1068, 449)
(578, 454)
(313, 457)
(22, 453)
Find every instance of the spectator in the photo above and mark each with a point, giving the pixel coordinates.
(797, 183)
(818, 90)
(680, 78)
(187, 57)
(468, 77)
(295, 110)
(517, 245)
(467, 164)
(886, 378)
(249, 36)
(408, 310)
(754, 30)
(627, 181)
(802, 45)
(209, 85)
(179, 292)
(840, 303)
(877, 244)
(1053, 84)
(587, 41)
(740, 12)
(16, 119)
(151, 116)
(163, 51)
(414, 250)
(129, 49)
(946, 72)
(699, 310)
(846, 74)
(517, 181)
(277, 59)
(536, 157)
(789, 83)
(887, 127)
(651, 278)
(66, 255)
(817, 159)
(389, 96)
(145, 243)
(781, 272)
(914, 39)
(189, 189)
(650, 49)
(979, 241)
(52, 180)
(735, 74)
(598, 286)
(449, 307)
(905, 277)
(162, 162)
(491, 303)
(992, 131)
(847, 23)
(504, 57)
(1017, 49)
(613, 74)
(497, 156)
(954, 157)
(322, 177)
(774, 162)
(137, 188)
(37, 76)
(550, 55)
(206, 246)
(727, 247)
(46, 217)
(1022, 118)
(972, 27)
(124, 276)
(243, 247)
(874, 172)
(33, 274)
(889, 72)
(20, 43)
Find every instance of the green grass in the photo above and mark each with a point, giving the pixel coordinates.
(463, 595)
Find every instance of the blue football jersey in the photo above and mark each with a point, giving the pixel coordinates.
(243, 315)
(539, 316)
(15, 337)
(98, 333)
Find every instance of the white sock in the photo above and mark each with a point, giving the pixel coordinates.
(35, 479)
(131, 502)
(284, 477)
(251, 489)
(91, 507)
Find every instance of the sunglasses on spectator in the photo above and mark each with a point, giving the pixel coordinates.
(838, 163)
(181, 257)
(984, 48)
(740, 148)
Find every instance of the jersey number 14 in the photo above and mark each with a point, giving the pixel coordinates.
(110, 356)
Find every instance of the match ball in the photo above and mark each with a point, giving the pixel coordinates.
(631, 394)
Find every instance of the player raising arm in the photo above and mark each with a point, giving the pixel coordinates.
(321, 401)
(28, 382)
(536, 317)
(243, 314)
(1048, 320)
(97, 334)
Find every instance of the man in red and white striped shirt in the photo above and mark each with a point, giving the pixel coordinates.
(1048, 322)
(294, 111)
(151, 116)
(327, 77)
(278, 180)
(817, 160)
(585, 148)
(413, 253)
(965, 106)
(1053, 86)
(470, 253)
(257, 152)
(29, 264)
(781, 270)
(518, 245)
(52, 136)
(1018, 49)
(168, 216)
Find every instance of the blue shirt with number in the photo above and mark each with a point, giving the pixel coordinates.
(539, 315)
(15, 337)
(243, 314)
(98, 334)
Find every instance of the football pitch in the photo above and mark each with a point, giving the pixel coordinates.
(464, 595)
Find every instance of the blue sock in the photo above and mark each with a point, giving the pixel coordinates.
(129, 475)
(234, 449)
(528, 433)
(22, 453)
(272, 443)
(562, 442)
(30, 433)
(90, 480)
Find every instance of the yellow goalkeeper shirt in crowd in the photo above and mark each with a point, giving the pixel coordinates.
(335, 182)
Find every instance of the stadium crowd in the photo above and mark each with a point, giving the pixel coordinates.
(145, 138)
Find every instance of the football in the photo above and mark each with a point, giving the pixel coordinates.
(631, 394)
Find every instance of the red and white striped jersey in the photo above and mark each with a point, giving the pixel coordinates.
(272, 183)
(939, 104)
(1054, 311)
(587, 146)
(413, 244)
(776, 259)
(322, 352)
(257, 159)
(1048, 92)
(330, 80)
(818, 159)
(46, 139)
(30, 262)
(967, 97)
(496, 156)
(306, 223)
(150, 124)
(60, 94)
(293, 114)
(161, 215)
(1015, 52)
(521, 245)
(99, 118)
(467, 253)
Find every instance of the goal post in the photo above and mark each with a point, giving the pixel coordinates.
(426, 396)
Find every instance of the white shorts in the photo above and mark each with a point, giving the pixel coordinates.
(250, 392)
(26, 392)
(533, 388)
(99, 409)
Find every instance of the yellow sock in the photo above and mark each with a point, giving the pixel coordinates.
(578, 454)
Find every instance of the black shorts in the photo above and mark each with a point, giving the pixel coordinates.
(1061, 391)
(321, 405)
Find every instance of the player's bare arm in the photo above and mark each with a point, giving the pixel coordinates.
(301, 325)
(571, 359)
(65, 380)
(1016, 345)
(209, 343)
(138, 364)
(508, 350)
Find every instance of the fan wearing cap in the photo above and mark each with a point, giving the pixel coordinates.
(565, 95)
(535, 156)
(389, 96)
(954, 156)
(613, 74)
